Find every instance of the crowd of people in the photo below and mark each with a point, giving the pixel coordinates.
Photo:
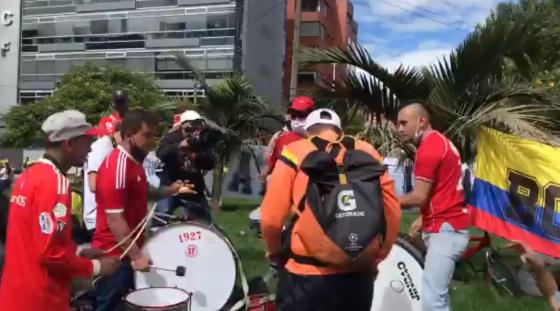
(329, 216)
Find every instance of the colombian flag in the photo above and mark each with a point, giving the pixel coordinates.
(516, 192)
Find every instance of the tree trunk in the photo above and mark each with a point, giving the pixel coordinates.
(217, 183)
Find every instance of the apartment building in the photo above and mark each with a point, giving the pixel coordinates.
(141, 35)
(324, 24)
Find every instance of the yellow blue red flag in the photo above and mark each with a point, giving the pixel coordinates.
(516, 193)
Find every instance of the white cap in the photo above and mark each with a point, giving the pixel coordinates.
(66, 125)
(323, 116)
(189, 115)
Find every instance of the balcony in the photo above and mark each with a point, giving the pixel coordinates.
(115, 41)
(92, 6)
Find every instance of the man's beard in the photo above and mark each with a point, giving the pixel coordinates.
(137, 153)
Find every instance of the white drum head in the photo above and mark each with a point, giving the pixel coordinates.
(255, 214)
(399, 283)
(157, 297)
(210, 266)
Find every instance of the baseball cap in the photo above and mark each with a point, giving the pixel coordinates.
(66, 125)
(302, 103)
(120, 97)
(190, 115)
(323, 116)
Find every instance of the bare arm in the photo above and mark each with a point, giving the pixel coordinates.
(92, 177)
(419, 196)
(120, 229)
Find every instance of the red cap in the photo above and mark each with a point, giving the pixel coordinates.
(302, 103)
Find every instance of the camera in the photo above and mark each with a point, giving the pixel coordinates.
(205, 140)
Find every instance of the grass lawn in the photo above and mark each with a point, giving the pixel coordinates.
(473, 296)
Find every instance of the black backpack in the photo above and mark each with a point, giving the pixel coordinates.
(346, 201)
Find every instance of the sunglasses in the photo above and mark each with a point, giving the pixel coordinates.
(295, 114)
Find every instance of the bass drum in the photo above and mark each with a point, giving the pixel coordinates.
(398, 285)
(204, 256)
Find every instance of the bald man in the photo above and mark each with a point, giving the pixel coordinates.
(438, 191)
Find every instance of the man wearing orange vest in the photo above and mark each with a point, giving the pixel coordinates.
(319, 275)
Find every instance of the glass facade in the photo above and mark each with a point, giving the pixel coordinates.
(140, 35)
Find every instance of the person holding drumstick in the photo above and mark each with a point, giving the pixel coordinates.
(438, 191)
(122, 197)
(41, 257)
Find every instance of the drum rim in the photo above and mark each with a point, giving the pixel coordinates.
(189, 296)
(412, 250)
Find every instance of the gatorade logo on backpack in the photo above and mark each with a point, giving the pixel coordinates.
(346, 203)
(340, 219)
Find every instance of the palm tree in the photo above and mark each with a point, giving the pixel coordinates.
(486, 81)
(232, 107)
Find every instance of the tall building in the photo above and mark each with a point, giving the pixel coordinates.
(324, 24)
(141, 35)
(10, 21)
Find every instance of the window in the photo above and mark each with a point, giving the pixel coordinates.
(307, 78)
(216, 21)
(99, 27)
(310, 29)
(310, 5)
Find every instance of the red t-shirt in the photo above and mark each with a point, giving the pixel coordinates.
(108, 124)
(439, 162)
(40, 254)
(282, 141)
(121, 187)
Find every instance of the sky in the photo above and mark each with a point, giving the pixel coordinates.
(416, 32)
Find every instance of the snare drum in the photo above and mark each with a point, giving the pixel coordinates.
(209, 265)
(398, 285)
(161, 299)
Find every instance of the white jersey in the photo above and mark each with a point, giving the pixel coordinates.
(100, 149)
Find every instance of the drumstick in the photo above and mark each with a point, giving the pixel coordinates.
(179, 271)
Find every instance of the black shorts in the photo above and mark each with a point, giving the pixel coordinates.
(352, 291)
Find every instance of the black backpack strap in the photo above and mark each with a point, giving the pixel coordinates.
(349, 142)
(322, 144)
(319, 143)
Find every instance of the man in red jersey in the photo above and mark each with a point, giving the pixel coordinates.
(108, 124)
(122, 200)
(41, 257)
(438, 191)
(298, 111)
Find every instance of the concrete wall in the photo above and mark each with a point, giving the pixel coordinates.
(264, 40)
(10, 24)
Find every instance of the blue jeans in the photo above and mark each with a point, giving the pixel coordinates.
(110, 290)
(444, 250)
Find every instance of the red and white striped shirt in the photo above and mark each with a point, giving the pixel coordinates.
(121, 188)
(41, 257)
